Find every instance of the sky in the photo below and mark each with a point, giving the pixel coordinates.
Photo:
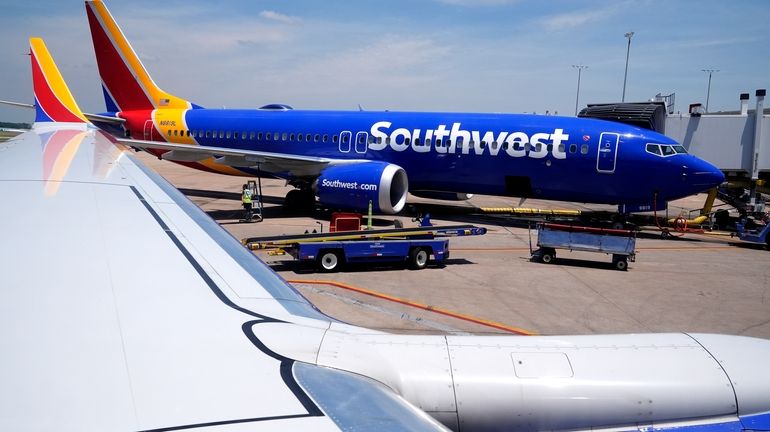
(408, 55)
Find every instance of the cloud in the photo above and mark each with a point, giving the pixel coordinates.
(579, 18)
(275, 16)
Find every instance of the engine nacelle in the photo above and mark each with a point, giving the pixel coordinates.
(442, 195)
(353, 186)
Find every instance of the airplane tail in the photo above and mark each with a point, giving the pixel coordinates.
(125, 82)
(53, 100)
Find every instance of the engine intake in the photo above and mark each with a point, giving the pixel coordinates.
(353, 186)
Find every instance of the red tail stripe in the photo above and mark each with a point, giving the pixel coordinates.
(117, 77)
(47, 98)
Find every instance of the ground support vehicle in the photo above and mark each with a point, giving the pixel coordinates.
(331, 256)
(620, 243)
(758, 234)
(330, 251)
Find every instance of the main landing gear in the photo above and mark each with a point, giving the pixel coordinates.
(299, 200)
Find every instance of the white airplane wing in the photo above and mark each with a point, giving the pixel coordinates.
(127, 308)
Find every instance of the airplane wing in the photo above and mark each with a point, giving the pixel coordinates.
(296, 165)
(127, 308)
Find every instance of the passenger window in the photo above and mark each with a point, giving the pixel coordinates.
(251, 135)
(326, 138)
(416, 141)
(561, 148)
(316, 137)
(387, 140)
(407, 141)
(667, 150)
(361, 138)
(235, 135)
(268, 136)
(307, 137)
(284, 136)
(345, 139)
(169, 132)
(334, 139)
(299, 137)
(584, 149)
(208, 134)
(221, 134)
(276, 136)
(291, 137)
(573, 148)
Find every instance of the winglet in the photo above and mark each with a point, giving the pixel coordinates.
(53, 100)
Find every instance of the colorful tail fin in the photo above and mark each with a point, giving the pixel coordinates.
(53, 100)
(126, 84)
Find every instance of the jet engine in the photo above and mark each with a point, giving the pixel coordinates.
(353, 186)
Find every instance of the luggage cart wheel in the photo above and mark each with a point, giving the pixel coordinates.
(620, 263)
(547, 256)
(330, 261)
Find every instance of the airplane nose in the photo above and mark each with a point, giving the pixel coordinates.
(702, 175)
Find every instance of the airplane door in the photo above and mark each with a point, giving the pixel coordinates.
(345, 141)
(148, 127)
(607, 153)
(361, 144)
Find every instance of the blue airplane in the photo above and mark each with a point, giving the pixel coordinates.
(350, 158)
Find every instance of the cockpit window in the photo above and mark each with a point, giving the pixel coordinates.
(665, 150)
(654, 149)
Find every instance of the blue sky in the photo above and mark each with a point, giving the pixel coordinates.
(423, 55)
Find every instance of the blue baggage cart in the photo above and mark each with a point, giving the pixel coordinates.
(620, 244)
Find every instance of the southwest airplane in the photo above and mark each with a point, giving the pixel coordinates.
(212, 339)
(348, 159)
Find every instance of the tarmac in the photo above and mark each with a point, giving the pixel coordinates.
(692, 283)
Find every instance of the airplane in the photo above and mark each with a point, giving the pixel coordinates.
(350, 158)
(125, 307)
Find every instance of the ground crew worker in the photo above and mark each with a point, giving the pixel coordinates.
(246, 200)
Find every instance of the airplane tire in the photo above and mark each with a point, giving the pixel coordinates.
(418, 258)
(330, 261)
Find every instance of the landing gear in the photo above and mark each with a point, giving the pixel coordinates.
(299, 200)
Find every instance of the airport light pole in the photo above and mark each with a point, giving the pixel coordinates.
(708, 89)
(625, 76)
(577, 97)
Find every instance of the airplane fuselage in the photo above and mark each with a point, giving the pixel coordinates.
(547, 157)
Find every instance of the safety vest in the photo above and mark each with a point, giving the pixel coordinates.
(246, 197)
